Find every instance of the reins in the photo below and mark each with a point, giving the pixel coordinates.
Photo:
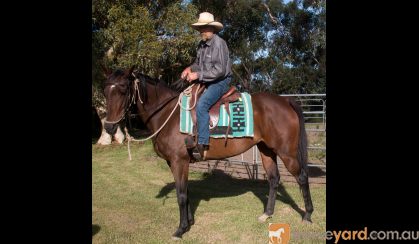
(187, 92)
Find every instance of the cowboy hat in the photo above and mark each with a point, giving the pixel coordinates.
(207, 19)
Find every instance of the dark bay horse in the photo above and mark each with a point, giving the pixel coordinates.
(278, 131)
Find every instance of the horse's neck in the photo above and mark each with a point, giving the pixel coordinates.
(160, 93)
(157, 96)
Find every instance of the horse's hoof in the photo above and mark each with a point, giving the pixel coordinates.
(176, 238)
(307, 222)
(179, 233)
(263, 218)
(307, 218)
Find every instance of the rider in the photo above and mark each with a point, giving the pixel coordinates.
(212, 67)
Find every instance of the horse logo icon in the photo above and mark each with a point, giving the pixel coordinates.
(279, 233)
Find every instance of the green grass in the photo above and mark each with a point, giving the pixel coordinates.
(135, 202)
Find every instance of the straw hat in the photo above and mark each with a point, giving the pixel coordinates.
(207, 19)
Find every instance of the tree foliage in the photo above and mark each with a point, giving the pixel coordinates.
(275, 46)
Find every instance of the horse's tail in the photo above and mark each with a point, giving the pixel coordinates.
(302, 141)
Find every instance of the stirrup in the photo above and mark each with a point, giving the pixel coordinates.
(197, 155)
(199, 152)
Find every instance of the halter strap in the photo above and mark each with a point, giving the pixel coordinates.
(126, 109)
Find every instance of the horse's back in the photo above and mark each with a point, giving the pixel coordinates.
(268, 103)
(273, 115)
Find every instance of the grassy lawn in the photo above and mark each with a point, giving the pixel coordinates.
(135, 202)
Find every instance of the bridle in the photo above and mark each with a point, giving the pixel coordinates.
(133, 101)
(127, 107)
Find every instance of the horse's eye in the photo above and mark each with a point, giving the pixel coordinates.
(122, 88)
(105, 91)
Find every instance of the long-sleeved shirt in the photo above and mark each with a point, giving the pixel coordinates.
(213, 61)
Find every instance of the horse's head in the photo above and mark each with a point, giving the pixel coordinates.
(124, 88)
(118, 94)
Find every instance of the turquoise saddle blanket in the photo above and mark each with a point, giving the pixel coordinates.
(241, 121)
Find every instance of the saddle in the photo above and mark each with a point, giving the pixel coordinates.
(232, 95)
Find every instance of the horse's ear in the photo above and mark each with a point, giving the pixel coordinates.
(106, 71)
(130, 70)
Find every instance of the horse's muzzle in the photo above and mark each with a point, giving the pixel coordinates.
(111, 128)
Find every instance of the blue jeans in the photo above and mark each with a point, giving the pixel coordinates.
(211, 95)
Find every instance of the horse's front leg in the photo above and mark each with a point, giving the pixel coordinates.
(180, 169)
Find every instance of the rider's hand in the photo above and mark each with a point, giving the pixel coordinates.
(192, 76)
(185, 72)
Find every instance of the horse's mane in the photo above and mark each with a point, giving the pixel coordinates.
(118, 72)
(177, 86)
(114, 75)
(148, 79)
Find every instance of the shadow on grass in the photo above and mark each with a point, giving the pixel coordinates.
(316, 172)
(219, 184)
(95, 229)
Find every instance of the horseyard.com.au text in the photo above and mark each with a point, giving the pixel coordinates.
(373, 235)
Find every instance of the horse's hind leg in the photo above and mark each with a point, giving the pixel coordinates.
(291, 163)
(271, 169)
(305, 188)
